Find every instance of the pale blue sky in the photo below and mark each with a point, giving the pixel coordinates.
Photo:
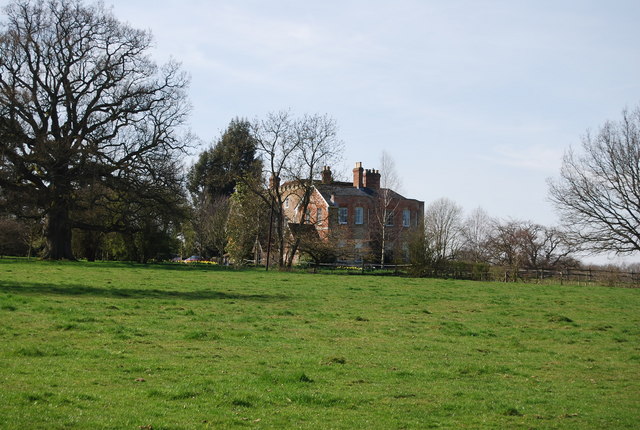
(475, 100)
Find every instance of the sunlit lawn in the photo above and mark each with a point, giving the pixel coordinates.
(110, 345)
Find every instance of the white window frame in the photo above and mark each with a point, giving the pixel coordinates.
(359, 216)
(343, 215)
(319, 215)
(406, 218)
(389, 222)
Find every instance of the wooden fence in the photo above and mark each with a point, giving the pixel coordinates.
(611, 278)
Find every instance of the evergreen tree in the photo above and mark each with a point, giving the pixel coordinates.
(219, 168)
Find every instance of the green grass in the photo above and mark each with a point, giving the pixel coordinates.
(109, 345)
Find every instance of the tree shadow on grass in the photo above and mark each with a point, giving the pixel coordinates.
(184, 267)
(128, 265)
(33, 288)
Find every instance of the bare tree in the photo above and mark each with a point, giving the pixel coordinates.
(527, 245)
(443, 228)
(386, 203)
(476, 231)
(318, 146)
(598, 192)
(546, 247)
(81, 101)
(293, 151)
(505, 243)
(276, 145)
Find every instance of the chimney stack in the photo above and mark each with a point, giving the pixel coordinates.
(327, 177)
(357, 175)
(372, 179)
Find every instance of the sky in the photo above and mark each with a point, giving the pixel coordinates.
(476, 101)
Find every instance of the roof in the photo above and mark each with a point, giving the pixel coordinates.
(346, 189)
(341, 189)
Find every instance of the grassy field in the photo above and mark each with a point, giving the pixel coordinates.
(109, 345)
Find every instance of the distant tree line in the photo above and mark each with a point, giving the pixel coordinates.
(448, 238)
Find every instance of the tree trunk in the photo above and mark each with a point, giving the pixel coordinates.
(383, 244)
(59, 233)
(292, 252)
(280, 232)
(303, 215)
(281, 248)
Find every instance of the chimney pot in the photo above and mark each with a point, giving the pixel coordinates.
(358, 176)
(372, 179)
(327, 177)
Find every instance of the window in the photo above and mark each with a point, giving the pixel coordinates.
(406, 218)
(389, 219)
(307, 217)
(342, 215)
(286, 203)
(319, 216)
(359, 216)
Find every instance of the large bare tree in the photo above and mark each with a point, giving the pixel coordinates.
(317, 146)
(293, 151)
(598, 192)
(443, 228)
(276, 145)
(81, 103)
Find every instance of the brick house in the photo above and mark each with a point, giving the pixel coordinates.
(350, 216)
